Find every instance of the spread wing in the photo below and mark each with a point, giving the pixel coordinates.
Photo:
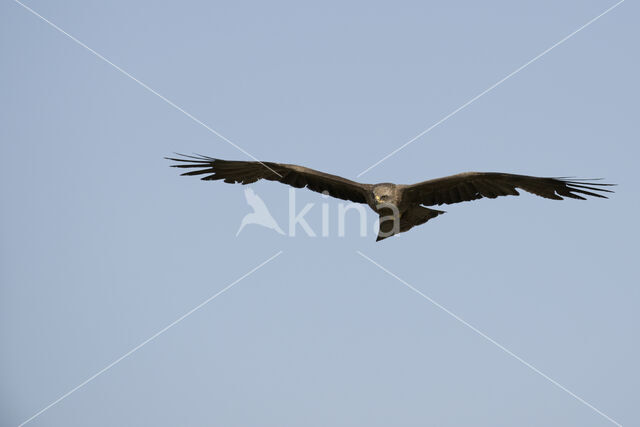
(476, 185)
(243, 172)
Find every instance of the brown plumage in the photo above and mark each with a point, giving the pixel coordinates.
(400, 207)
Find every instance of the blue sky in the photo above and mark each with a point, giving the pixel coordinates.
(103, 245)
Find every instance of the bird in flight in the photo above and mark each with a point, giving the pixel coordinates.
(400, 207)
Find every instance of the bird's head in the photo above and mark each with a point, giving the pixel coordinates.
(383, 193)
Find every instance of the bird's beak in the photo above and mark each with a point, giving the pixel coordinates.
(377, 198)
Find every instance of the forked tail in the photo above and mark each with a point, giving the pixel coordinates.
(417, 215)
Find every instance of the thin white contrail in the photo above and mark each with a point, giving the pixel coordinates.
(489, 89)
(491, 340)
(168, 101)
(148, 340)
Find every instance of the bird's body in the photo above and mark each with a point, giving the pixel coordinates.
(397, 213)
(400, 207)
